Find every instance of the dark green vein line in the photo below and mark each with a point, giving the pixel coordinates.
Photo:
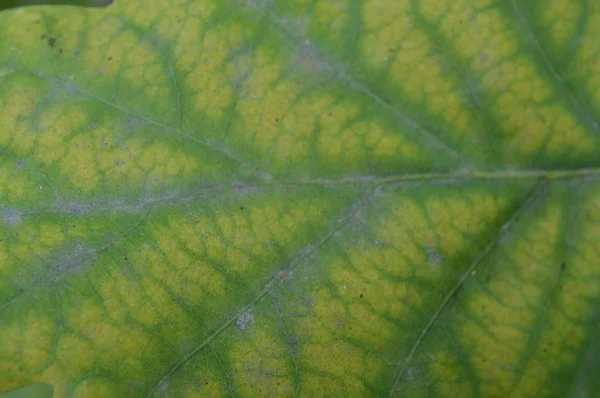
(304, 254)
(582, 113)
(504, 230)
(541, 324)
(59, 273)
(179, 131)
(243, 187)
(430, 138)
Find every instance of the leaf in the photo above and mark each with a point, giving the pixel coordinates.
(294, 198)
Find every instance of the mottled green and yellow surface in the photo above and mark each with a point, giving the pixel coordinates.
(301, 198)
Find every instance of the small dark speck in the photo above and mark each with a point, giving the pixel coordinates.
(563, 266)
(361, 296)
(126, 258)
(241, 207)
(110, 58)
(277, 120)
(51, 41)
(43, 36)
(60, 51)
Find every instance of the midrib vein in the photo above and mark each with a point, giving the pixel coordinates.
(215, 190)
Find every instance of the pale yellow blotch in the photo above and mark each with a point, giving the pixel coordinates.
(79, 162)
(177, 324)
(261, 363)
(393, 36)
(393, 229)
(315, 384)
(450, 380)
(210, 79)
(17, 186)
(123, 297)
(56, 125)
(298, 125)
(171, 249)
(18, 252)
(169, 24)
(280, 110)
(185, 49)
(349, 364)
(16, 106)
(159, 158)
(523, 106)
(118, 161)
(75, 354)
(351, 319)
(334, 358)
(60, 380)
(144, 14)
(499, 346)
(13, 30)
(455, 218)
(38, 332)
(561, 20)
(332, 16)
(263, 119)
(91, 320)
(202, 278)
(113, 299)
(225, 237)
(566, 332)
(116, 342)
(187, 236)
(143, 70)
(47, 235)
(104, 42)
(201, 9)
(368, 283)
(91, 154)
(94, 388)
(585, 64)
(34, 241)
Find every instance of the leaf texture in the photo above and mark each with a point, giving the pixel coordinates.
(301, 198)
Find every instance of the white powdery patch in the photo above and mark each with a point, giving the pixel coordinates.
(11, 217)
(244, 320)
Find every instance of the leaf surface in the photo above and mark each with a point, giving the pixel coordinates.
(301, 198)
